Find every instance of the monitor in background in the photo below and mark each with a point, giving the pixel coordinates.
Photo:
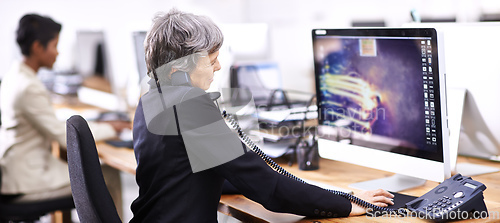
(92, 59)
(493, 17)
(92, 63)
(139, 37)
(434, 20)
(368, 23)
(381, 102)
(257, 80)
(247, 41)
(137, 81)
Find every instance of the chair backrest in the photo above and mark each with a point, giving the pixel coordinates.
(92, 199)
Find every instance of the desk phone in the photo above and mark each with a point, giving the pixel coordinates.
(458, 197)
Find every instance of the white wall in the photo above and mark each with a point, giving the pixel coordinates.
(290, 22)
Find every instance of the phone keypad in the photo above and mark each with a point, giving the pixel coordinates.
(446, 199)
(441, 203)
(442, 206)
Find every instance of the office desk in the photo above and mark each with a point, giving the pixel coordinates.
(119, 158)
(331, 172)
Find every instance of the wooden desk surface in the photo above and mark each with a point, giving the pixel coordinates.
(330, 172)
(119, 158)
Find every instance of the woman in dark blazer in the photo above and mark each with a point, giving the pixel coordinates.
(185, 151)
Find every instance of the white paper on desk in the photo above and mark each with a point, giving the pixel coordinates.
(98, 98)
(287, 115)
(63, 114)
(275, 116)
(274, 150)
(126, 135)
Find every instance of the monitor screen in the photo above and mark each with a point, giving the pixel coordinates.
(93, 61)
(91, 54)
(380, 90)
(260, 79)
(473, 118)
(139, 38)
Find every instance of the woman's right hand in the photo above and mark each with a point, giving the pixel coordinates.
(378, 197)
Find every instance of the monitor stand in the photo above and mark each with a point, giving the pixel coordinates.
(460, 106)
(394, 183)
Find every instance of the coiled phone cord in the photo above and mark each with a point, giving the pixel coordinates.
(250, 144)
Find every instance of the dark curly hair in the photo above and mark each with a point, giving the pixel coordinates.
(33, 27)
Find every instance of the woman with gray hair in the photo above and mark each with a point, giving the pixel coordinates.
(185, 36)
(185, 151)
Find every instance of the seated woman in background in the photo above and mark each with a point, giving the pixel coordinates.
(184, 150)
(29, 123)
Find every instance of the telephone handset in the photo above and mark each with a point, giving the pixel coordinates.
(180, 78)
(458, 197)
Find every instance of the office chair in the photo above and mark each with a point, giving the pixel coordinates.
(31, 211)
(92, 199)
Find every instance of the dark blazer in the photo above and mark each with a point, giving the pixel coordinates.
(169, 191)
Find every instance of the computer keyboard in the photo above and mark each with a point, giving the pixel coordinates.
(121, 143)
(113, 116)
(125, 140)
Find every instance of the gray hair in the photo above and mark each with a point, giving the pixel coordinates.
(178, 39)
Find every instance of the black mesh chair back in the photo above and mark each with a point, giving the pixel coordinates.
(92, 199)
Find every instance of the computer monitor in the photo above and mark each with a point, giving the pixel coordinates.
(473, 74)
(435, 20)
(139, 37)
(368, 23)
(259, 79)
(92, 57)
(247, 42)
(93, 64)
(382, 103)
(490, 17)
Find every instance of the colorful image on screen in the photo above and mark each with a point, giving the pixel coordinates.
(375, 91)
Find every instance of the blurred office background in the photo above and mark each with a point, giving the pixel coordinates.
(288, 25)
(256, 30)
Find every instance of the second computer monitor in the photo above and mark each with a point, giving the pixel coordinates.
(381, 101)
